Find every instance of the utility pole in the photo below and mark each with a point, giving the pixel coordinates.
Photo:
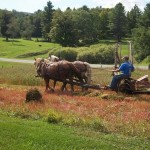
(117, 59)
(130, 52)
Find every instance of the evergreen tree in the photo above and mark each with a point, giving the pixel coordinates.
(145, 19)
(141, 36)
(104, 23)
(118, 21)
(37, 24)
(46, 20)
(133, 17)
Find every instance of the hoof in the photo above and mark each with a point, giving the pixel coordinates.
(52, 90)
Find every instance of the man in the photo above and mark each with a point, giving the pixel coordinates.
(124, 72)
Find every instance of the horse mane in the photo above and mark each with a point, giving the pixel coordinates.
(54, 58)
(88, 72)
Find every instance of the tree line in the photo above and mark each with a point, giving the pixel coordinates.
(82, 26)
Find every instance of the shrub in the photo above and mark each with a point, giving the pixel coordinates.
(68, 54)
(33, 95)
(103, 54)
(87, 56)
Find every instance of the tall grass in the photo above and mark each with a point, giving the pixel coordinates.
(18, 74)
(24, 74)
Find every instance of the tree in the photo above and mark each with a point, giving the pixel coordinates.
(133, 17)
(141, 36)
(104, 23)
(28, 28)
(37, 24)
(63, 30)
(118, 21)
(46, 20)
(141, 41)
(145, 19)
(84, 21)
(13, 28)
(5, 20)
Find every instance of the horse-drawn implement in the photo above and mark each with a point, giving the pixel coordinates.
(79, 74)
(132, 86)
(126, 85)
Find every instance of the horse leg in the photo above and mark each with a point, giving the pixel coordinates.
(54, 84)
(71, 84)
(63, 86)
(47, 85)
(72, 87)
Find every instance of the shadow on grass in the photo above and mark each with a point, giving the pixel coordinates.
(14, 42)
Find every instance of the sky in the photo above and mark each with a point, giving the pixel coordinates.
(34, 5)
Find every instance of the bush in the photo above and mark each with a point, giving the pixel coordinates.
(103, 54)
(68, 54)
(87, 56)
(33, 95)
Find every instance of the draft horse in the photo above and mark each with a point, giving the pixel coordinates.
(84, 69)
(62, 71)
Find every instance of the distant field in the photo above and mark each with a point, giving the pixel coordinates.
(20, 48)
(13, 49)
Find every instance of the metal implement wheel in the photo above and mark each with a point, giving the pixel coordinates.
(124, 86)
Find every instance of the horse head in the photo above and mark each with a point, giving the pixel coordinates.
(38, 64)
(54, 58)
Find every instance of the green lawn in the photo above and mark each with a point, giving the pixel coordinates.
(13, 49)
(22, 134)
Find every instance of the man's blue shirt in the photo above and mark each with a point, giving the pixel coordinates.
(126, 68)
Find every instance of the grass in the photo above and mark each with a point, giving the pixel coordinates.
(24, 74)
(30, 135)
(28, 49)
(19, 47)
(87, 109)
(13, 49)
(17, 73)
(79, 120)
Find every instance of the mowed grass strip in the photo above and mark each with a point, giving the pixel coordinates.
(25, 134)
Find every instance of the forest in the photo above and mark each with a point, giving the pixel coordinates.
(81, 27)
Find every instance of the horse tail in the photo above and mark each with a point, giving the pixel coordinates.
(88, 72)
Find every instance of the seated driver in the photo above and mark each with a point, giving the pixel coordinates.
(124, 70)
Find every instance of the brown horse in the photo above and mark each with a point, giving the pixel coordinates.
(62, 71)
(84, 69)
(37, 64)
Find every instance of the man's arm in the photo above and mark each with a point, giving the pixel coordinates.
(116, 70)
